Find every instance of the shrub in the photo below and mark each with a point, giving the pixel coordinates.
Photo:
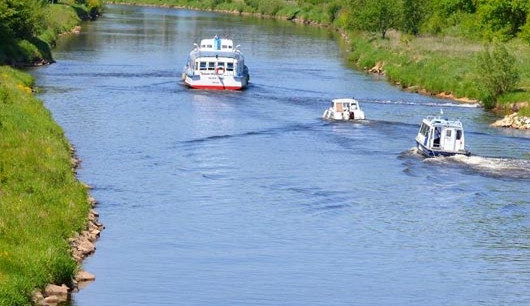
(496, 72)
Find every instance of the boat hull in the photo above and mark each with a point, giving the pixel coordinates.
(436, 153)
(344, 116)
(215, 82)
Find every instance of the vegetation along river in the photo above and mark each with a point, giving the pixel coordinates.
(250, 198)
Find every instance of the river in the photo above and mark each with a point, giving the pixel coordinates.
(250, 198)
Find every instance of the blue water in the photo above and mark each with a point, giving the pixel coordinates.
(250, 198)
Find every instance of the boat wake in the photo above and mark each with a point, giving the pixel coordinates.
(496, 167)
(490, 166)
(415, 103)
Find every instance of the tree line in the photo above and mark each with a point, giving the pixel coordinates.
(475, 19)
(24, 19)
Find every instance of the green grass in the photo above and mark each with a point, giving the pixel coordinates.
(436, 64)
(42, 203)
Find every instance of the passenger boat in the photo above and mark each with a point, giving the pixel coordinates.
(344, 109)
(441, 137)
(216, 64)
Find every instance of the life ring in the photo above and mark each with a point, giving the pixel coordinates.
(219, 70)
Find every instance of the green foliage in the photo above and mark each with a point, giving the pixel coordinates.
(502, 19)
(20, 19)
(524, 112)
(21, 50)
(413, 13)
(375, 16)
(41, 202)
(525, 30)
(497, 73)
(269, 8)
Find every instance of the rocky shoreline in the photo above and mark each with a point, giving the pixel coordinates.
(513, 121)
(82, 245)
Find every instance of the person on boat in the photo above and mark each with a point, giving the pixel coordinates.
(437, 135)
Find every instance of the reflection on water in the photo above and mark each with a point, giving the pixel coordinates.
(249, 198)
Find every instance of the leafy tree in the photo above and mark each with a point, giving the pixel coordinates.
(20, 19)
(413, 13)
(450, 7)
(497, 73)
(502, 18)
(375, 15)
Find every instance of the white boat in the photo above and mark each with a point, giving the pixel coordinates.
(216, 64)
(439, 136)
(344, 109)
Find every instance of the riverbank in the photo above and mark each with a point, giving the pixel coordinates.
(47, 24)
(46, 214)
(42, 204)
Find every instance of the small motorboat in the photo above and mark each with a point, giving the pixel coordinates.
(344, 109)
(216, 64)
(440, 136)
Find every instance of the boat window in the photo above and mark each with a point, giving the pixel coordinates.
(448, 133)
(203, 66)
(229, 66)
(424, 130)
(221, 65)
(211, 66)
(225, 47)
(458, 134)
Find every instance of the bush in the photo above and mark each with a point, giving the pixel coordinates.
(496, 72)
(525, 30)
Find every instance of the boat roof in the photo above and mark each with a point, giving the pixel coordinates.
(199, 53)
(439, 121)
(345, 100)
(217, 44)
(216, 47)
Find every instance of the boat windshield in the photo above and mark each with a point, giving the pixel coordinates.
(424, 129)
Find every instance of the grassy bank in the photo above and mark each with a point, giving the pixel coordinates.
(41, 202)
(444, 64)
(437, 65)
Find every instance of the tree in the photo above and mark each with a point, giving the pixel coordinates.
(413, 13)
(497, 73)
(502, 18)
(375, 15)
(20, 19)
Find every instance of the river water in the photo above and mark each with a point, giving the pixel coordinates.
(249, 198)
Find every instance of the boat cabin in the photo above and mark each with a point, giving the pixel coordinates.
(344, 109)
(217, 44)
(344, 105)
(441, 136)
